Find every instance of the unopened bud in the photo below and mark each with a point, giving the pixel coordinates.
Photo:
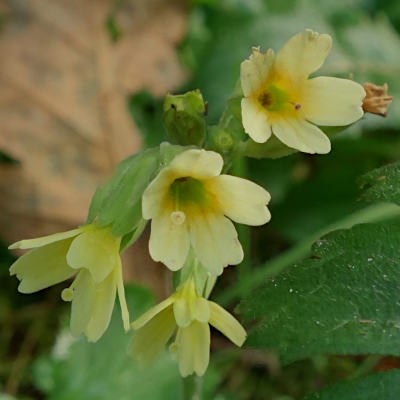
(184, 118)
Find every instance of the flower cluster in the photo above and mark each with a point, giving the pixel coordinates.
(190, 315)
(192, 205)
(89, 253)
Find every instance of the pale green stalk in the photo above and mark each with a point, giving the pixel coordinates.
(192, 387)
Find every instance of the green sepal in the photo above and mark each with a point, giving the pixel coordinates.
(118, 203)
(193, 269)
(95, 204)
(131, 237)
(228, 137)
(274, 148)
(168, 152)
(183, 118)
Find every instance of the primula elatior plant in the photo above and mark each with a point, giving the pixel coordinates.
(183, 188)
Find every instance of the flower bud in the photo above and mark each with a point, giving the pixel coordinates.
(184, 118)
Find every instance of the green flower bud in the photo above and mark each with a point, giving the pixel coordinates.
(221, 140)
(184, 118)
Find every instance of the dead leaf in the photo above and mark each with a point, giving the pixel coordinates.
(63, 100)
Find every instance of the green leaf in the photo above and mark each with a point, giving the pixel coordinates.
(343, 300)
(378, 386)
(382, 184)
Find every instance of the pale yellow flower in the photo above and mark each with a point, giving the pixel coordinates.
(190, 315)
(189, 203)
(92, 254)
(280, 98)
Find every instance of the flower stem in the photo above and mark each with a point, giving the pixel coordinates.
(192, 386)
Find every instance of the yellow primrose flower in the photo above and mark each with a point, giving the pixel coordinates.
(280, 99)
(191, 315)
(92, 254)
(189, 202)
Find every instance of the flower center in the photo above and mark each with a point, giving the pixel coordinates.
(185, 192)
(273, 98)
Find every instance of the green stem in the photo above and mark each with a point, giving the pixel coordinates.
(192, 386)
(374, 213)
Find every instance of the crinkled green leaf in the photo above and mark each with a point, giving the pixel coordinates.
(345, 299)
(382, 184)
(379, 386)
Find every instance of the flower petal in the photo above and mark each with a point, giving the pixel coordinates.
(96, 250)
(215, 241)
(227, 324)
(83, 302)
(255, 121)
(303, 54)
(201, 310)
(154, 195)
(182, 312)
(102, 308)
(193, 348)
(255, 70)
(241, 200)
(169, 242)
(301, 135)
(333, 101)
(43, 267)
(150, 340)
(187, 310)
(121, 296)
(150, 314)
(44, 240)
(198, 164)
